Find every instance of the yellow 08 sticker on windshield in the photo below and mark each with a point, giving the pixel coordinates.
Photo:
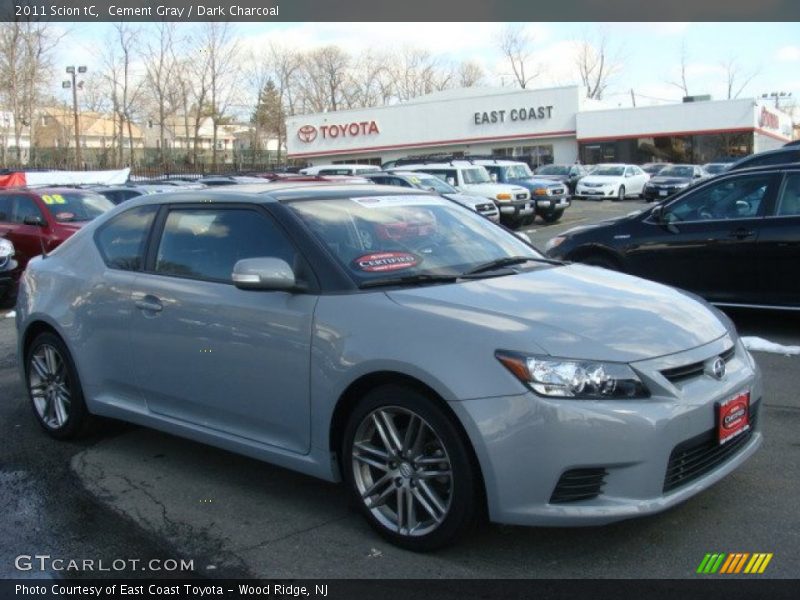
(53, 199)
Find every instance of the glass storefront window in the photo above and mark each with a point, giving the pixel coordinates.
(694, 149)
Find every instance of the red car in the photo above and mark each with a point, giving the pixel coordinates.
(32, 219)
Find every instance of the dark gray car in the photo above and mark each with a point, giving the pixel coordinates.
(434, 361)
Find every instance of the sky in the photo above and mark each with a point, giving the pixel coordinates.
(649, 53)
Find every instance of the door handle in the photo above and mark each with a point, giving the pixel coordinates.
(741, 233)
(149, 303)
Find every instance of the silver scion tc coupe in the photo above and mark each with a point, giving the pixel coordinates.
(435, 362)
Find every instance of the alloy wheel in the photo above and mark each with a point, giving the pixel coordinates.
(402, 471)
(48, 381)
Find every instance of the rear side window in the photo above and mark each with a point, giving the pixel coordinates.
(789, 203)
(121, 241)
(5, 208)
(25, 208)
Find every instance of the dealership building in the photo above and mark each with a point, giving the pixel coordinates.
(542, 126)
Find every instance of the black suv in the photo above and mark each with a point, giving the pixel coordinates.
(733, 239)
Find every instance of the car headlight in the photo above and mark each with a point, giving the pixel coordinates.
(6, 249)
(553, 242)
(680, 186)
(579, 379)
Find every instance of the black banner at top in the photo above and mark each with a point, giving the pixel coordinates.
(396, 10)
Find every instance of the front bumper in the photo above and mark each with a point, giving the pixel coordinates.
(551, 204)
(516, 208)
(599, 192)
(650, 194)
(526, 443)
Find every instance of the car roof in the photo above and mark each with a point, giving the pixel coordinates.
(48, 189)
(267, 193)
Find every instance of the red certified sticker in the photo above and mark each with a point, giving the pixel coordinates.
(733, 417)
(380, 262)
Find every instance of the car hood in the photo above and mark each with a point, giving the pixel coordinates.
(670, 180)
(604, 179)
(535, 182)
(576, 311)
(492, 189)
(561, 178)
(470, 200)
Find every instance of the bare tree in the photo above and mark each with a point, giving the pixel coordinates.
(597, 63)
(285, 65)
(322, 77)
(736, 77)
(223, 72)
(25, 66)
(470, 74)
(684, 61)
(516, 45)
(161, 70)
(129, 86)
(417, 72)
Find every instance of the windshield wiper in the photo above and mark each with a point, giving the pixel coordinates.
(420, 278)
(507, 261)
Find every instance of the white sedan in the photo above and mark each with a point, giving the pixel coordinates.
(615, 181)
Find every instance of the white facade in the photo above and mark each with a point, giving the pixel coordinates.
(518, 123)
(466, 120)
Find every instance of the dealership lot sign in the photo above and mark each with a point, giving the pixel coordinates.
(309, 133)
(531, 113)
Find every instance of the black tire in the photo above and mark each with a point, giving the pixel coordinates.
(528, 220)
(620, 194)
(512, 222)
(78, 421)
(598, 260)
(553, 216)
(462, 488)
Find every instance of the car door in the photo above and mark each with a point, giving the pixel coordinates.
(213, 355)
(706, 238)
(778, 247)
(27, 239)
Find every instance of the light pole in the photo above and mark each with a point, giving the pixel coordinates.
(778, 97)
(75, 85)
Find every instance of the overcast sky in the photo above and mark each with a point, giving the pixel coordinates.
(649, 52)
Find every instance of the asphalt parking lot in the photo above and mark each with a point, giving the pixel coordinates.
(133, 493)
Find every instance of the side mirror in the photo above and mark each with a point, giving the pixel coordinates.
(657, 214)
(451, 181)
(263, 273)
(34, 220)
(493, 177)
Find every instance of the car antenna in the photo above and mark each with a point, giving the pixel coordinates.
(41, 243)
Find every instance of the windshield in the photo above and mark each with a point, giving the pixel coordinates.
(518, 172)
(677, 172)
(553, 170)
(76, 206)
(476, 175)
(400, 236)
(609, 171)
(431, 182)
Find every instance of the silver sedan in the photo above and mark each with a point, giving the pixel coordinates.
(435, 362)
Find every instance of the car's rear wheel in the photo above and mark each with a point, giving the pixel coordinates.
(409, 469)
(54, 388)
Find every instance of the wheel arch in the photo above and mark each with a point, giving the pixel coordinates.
(582, 252)
(357, 389)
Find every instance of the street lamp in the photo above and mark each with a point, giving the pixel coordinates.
(75, 85)
(778, 97)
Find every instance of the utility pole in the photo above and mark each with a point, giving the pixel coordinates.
(75, 84)
(633, 99)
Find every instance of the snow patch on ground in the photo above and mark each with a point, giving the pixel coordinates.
(758, 344)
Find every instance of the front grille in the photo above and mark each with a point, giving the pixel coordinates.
(692, 370)
(701, 454)
(579, 484)
(522, 196)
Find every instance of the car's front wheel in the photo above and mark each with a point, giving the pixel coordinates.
(621, 193)
(54, 388)
(552, 217)
(409, 469)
